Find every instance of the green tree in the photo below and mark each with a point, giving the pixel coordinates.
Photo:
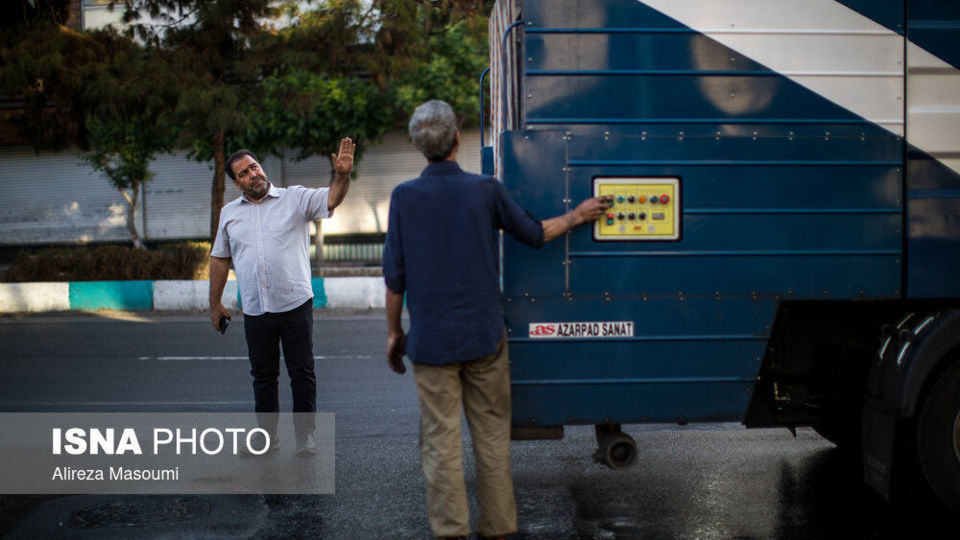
(225, 52)
(46, 66)
(312, 112)
(129, 121)
(331, 38)
(207, 43)
(450, 73)
(232, 53)
(17, 13)
(254, 73)
(429, 49)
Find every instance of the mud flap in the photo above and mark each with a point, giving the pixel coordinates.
(877, 430)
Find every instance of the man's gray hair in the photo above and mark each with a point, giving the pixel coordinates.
(432, 128)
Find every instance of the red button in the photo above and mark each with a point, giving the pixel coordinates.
(664, 199)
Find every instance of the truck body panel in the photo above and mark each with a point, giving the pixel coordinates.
(815, 150)
(784, 195)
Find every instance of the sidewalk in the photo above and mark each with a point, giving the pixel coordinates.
(363, 291)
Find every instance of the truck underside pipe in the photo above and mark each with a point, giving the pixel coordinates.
(616, 449)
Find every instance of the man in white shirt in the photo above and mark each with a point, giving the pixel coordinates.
(265, 234)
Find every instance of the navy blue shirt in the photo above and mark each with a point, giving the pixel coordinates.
(442, 250)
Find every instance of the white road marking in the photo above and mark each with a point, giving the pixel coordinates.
(119, 403)
(199, 358)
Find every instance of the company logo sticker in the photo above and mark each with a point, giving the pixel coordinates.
(574, 330)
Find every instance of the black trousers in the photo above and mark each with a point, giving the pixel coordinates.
(293, 330)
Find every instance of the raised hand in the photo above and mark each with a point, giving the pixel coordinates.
(343, 161)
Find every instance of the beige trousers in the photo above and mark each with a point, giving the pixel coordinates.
(483, 387)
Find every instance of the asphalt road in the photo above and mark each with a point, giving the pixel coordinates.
(697, 481)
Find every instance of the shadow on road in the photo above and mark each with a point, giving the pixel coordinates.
(826, 498)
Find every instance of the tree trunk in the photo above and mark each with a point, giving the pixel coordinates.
(219, 181)
(132, 213)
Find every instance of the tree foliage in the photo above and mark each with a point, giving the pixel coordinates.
(329, 38)
(207, 45)
(129, 118)
(450, 73)
(429, 49)
(216, 75)
(45, 66)
(311, 113)
(20, 13)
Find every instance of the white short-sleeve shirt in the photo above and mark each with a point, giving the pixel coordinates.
(269, 243)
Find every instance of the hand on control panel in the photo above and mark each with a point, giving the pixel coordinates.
(587, 211)
(593, 208)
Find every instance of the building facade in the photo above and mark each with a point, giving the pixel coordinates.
(56, 198)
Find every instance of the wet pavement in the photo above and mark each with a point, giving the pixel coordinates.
(696, 481)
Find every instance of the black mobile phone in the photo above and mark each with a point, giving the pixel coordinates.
(222, 324)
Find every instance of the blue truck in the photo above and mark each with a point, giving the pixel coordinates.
(784, 247)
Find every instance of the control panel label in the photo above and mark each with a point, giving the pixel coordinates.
(644, 208)
(574, 330)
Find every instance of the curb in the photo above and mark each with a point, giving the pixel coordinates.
(171, 295)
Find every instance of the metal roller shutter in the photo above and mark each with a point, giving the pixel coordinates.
(54, 197)
(393, 161)
(57, 198)
(178, 198)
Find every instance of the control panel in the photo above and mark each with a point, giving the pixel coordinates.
(643, 209)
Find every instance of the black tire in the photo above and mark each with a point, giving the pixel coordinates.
(938, 437)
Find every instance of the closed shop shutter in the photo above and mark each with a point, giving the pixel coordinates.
(54, 197)
(57, 198)
(394, 161)
(178, 198)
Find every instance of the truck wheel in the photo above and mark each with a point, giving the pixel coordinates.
(938, 438)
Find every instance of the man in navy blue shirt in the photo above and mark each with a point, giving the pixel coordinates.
(442, 252)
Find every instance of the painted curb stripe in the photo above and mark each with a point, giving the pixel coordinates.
(141, 295)
(120, 295)
(319, 293)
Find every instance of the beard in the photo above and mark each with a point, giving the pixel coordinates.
(259, 186)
